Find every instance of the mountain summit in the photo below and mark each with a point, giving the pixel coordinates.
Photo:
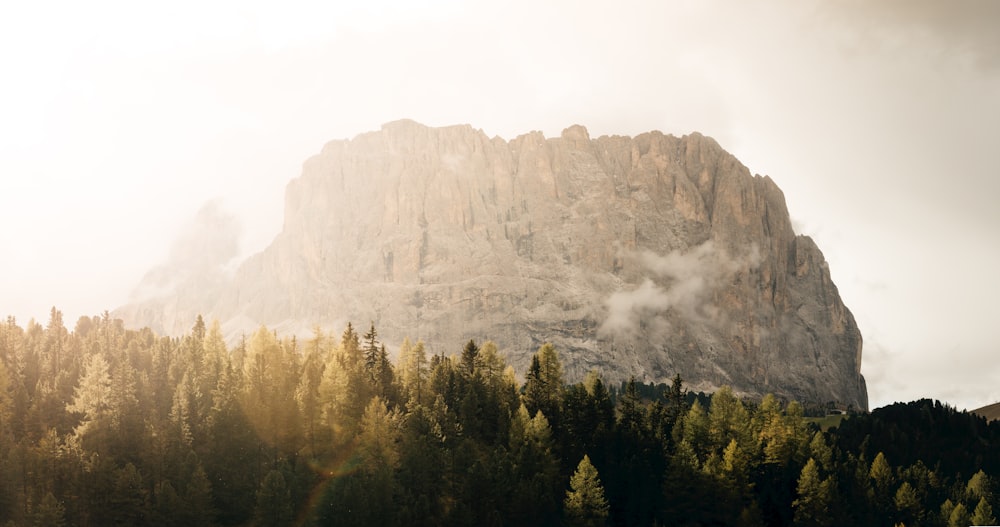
(645, 256)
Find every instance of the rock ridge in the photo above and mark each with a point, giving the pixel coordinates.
(644, 256)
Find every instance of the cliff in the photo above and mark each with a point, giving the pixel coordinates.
(639, 256)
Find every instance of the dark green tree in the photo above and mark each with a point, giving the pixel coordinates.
(51, 513)
(273, 501)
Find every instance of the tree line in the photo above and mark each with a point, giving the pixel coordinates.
(104, 425)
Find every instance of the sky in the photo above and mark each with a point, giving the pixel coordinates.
(120, 120)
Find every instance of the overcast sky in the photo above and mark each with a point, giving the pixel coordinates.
(881, 123)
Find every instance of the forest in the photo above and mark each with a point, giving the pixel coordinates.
(102, 425)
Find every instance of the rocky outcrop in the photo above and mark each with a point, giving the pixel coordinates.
(639, 256)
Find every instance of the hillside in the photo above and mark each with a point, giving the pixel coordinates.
(991, 412)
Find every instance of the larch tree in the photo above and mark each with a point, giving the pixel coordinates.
(727, 420)
(881, 473)
(959, 516)
(812, 507)
(49, 512)
(544, 383)
(585, 504)
(535, 494)
(414, 370)
(983, 514)
(91, 397)
(979, 486)
(907, 503)
(307, 390)
(379, 437)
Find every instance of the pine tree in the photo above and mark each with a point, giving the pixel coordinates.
(544, 383)
(371, 346)
(129, 497)
(907, 503)
(983, 515)
(198, 508)
(91, 397)
(167, 506)
(812, 507)
(727, 420)
(585, 505)
(536, 488)
(959, 517)
(821, 451)
(6, 401)
(379, 437)
(881, 472)
(469, 358)
(307, 390)
(49, 512)
(414, 370)
(979, 486)
(676, 404)
(273, 501)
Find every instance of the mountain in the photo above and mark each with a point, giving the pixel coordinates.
(645, 256)
(991, 411)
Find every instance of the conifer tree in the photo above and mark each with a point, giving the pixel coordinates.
(907, 503)
(167, 506)
(585, 504)
(727, 420)
(812, 507)
(198, 508)
(544, 383)
(49, 512)
(128, 499)
(946, 508)
(6, 401)
(414, 370)
(821, 451)
(983, 514)
(377, 441)
(370, 350)
(307, 390)
(91, 397)
(959, 516)
(470, 355)
(979, 486)
(273, 501)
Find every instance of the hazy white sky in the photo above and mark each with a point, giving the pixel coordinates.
(119, 120)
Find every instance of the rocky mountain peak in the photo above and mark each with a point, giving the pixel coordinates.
(647, 256)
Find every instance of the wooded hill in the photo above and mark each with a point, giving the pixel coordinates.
(107, 426)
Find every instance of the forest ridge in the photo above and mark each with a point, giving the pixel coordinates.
(103, 425)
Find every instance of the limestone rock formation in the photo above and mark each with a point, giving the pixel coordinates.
(643, 256)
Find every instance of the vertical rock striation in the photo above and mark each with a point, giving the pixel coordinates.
(639, 256)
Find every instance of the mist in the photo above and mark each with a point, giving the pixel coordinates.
(681, 282)
(877, 120)
(202, 253)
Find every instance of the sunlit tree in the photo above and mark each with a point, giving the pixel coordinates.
(585, 504)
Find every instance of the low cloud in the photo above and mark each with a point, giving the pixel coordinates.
(200, 253)
(681, 283)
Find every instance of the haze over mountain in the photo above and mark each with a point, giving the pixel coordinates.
(644, 256)
(879, 121)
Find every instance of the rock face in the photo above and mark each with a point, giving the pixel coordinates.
(643, 256)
